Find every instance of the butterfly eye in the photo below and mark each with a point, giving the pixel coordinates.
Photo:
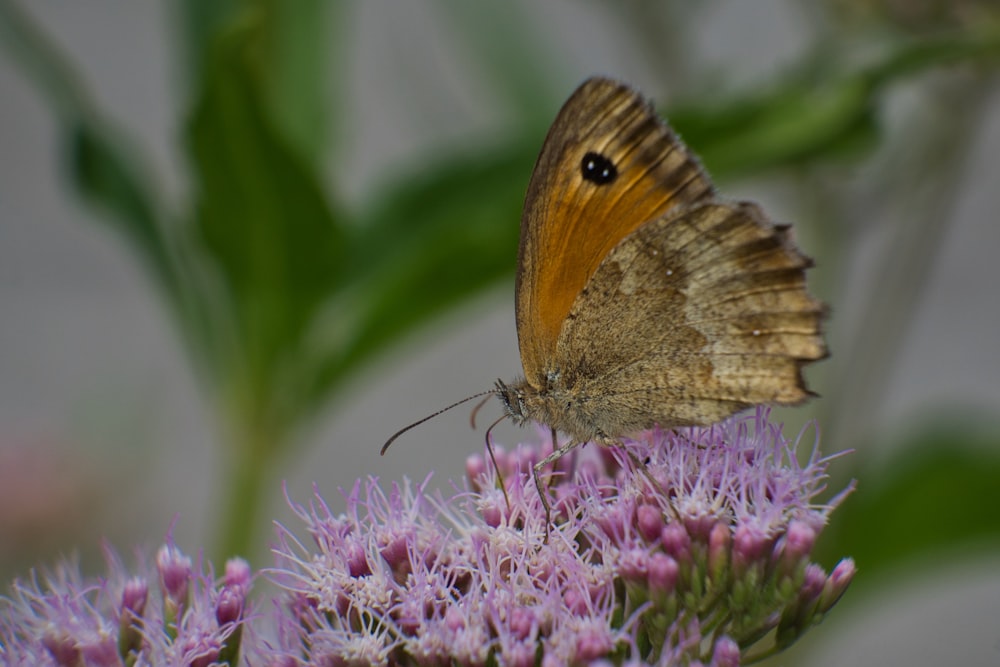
(598, 169)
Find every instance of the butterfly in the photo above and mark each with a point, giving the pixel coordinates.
(643, 299)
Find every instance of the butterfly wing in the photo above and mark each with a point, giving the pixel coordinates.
(608, 165)
(711, 315)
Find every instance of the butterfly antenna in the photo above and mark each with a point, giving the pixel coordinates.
(493, 458)
(429, 417)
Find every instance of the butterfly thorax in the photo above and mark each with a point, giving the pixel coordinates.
(560, 408)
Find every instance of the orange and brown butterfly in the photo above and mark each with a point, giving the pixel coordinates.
(642, 298)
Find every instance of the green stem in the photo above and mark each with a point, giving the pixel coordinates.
(247, 478)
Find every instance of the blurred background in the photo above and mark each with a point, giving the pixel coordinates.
(241, 243)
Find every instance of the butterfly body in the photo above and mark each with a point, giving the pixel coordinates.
(643, 299)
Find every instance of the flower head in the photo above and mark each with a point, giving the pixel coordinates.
(63, 619)
(691, 557)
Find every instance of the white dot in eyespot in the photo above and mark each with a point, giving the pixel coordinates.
(670, 272)
(756, 332)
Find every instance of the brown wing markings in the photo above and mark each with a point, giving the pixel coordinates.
(797, 335)
(646, 248)
(548, 193)
(627, 183)
(763, 254)
(722, 238)
(778, 357)
(739, 380)
(654, 140)
(624, 165)
(740, 245)
(682, 230)
(561, 151)
(695, 175)
(628, 131)
(606, 298)
(649, 142)
(659, 251)
(779, 282)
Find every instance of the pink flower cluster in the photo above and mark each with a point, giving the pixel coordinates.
(165, 615)
(699, 556)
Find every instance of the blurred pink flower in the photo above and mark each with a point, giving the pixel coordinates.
(184, 618)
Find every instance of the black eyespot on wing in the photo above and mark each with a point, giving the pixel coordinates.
(597, 169)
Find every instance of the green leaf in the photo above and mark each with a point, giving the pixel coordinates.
(789, 127)
(290, 50)
(937, 494)
(294, 60)
(262, 215)
(108, 179)
(434, 242)
(106, 170)
(198, 22)
(815, 116)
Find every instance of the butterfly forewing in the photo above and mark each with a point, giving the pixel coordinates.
(608, 165)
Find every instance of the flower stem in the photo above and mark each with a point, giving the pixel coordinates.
(252, 454)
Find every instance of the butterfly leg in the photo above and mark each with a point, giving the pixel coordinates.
(499, 473)
(556, 454)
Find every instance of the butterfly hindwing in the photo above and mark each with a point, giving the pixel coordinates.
(710, 314)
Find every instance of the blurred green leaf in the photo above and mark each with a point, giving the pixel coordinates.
(294, 59)
(434, 241)
(261, 213)
(788, 127)
(814, 115)
(106, 178)
(289, 47)
(107, 170)
(198, 22)
(937, 494)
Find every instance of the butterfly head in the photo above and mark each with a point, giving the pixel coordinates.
(513, 398)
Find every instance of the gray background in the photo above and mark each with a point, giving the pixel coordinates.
(90, 369)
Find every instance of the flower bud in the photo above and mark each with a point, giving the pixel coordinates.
(633, 564)
(134, 597)
(795, 547)
(229, 606)
(662, 573)
(521, 622)
(175, 573)
(238, 572)
(749, 545)
(676, 542)
(357, 560)
(835, 585)
(719, 541)
(175, 580)
(649, 520)
(725, 653)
